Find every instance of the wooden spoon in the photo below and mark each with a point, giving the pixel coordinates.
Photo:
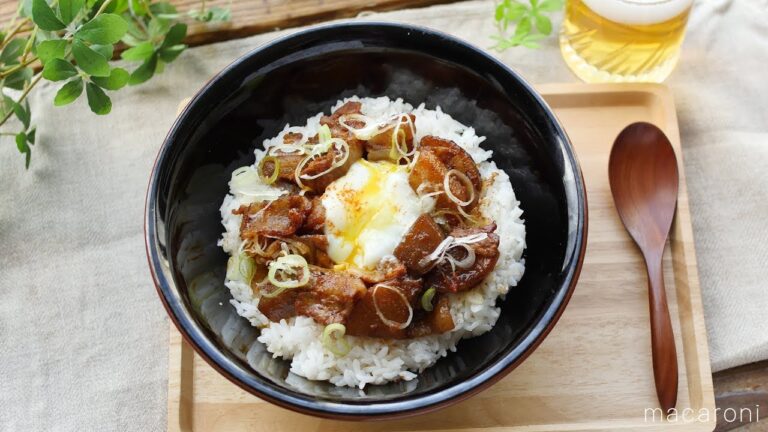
(644, 181)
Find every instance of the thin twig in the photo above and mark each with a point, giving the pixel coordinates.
(28, 47)
(13, 32)
(18, 67)
(23, 96)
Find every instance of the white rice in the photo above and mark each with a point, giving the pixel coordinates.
(376, 361)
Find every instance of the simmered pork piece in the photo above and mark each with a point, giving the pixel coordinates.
(379, 147)
(318, 164)
(421, 240)
(316, 218)
(327, 298)
(436, 322)
(337, 129)
(287, 161)
(331, 297)
(313, 247)
(436, 158)
(322, 163)
(388, 268)
(445, 279)
(388, 299)
(281, 217)
(316, 251)
(282, 306)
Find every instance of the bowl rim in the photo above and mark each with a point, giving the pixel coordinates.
(385, 410)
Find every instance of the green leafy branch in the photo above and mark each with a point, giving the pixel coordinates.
(531, 23)
(74, 41)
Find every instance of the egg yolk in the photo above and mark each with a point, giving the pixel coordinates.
(368, 211)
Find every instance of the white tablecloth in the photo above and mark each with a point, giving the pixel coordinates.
(83, 336)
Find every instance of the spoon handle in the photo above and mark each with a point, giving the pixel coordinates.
(662, 338)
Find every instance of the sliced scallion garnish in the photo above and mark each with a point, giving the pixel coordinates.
(426, 299)
(275, 169)
(333, 339)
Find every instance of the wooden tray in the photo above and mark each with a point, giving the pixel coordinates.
(593, 372)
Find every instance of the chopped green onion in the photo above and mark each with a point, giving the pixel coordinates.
(324, 134)
(247, 183)
(247, 268)
(333, 339)
(426, 299)
(241, 267)
(275, 170)
(294, 272)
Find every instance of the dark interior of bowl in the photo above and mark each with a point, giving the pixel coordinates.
(293, 79)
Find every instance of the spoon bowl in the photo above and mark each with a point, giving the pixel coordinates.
(644, 179)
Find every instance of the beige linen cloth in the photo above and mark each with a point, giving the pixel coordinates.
(83, 336)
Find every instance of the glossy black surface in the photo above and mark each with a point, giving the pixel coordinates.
(294, 78)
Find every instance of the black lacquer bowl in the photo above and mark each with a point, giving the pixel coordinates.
(293, 78)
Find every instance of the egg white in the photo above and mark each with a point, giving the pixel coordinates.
(368, 211)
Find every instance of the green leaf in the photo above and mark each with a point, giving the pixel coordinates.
(58, 70)
(117, 79)
(169, 54)
(175, 35)
(43, 16)
(12, 51)
(144, 72)
(135, 34)
(18, 79)
(131, 40)
(529, 41)
(199, 15)
(514, 14)
(140, 52)
(69, 92)
(500, 10)
(543, 24)
(157, 28)
(160, 8)
(6, 105)
(31, 136)
(523, 27)
(97, 99)
(104, 29)
(22, 113)
(90, 61)
(104, 50)
(117, 7)
(69, 9)
(138, 7)
(51, 49)
(550, 5)
(21, 144)
(220, 14)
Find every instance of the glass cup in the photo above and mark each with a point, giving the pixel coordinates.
(623, 40)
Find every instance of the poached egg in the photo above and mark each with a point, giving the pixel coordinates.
(368, 211)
